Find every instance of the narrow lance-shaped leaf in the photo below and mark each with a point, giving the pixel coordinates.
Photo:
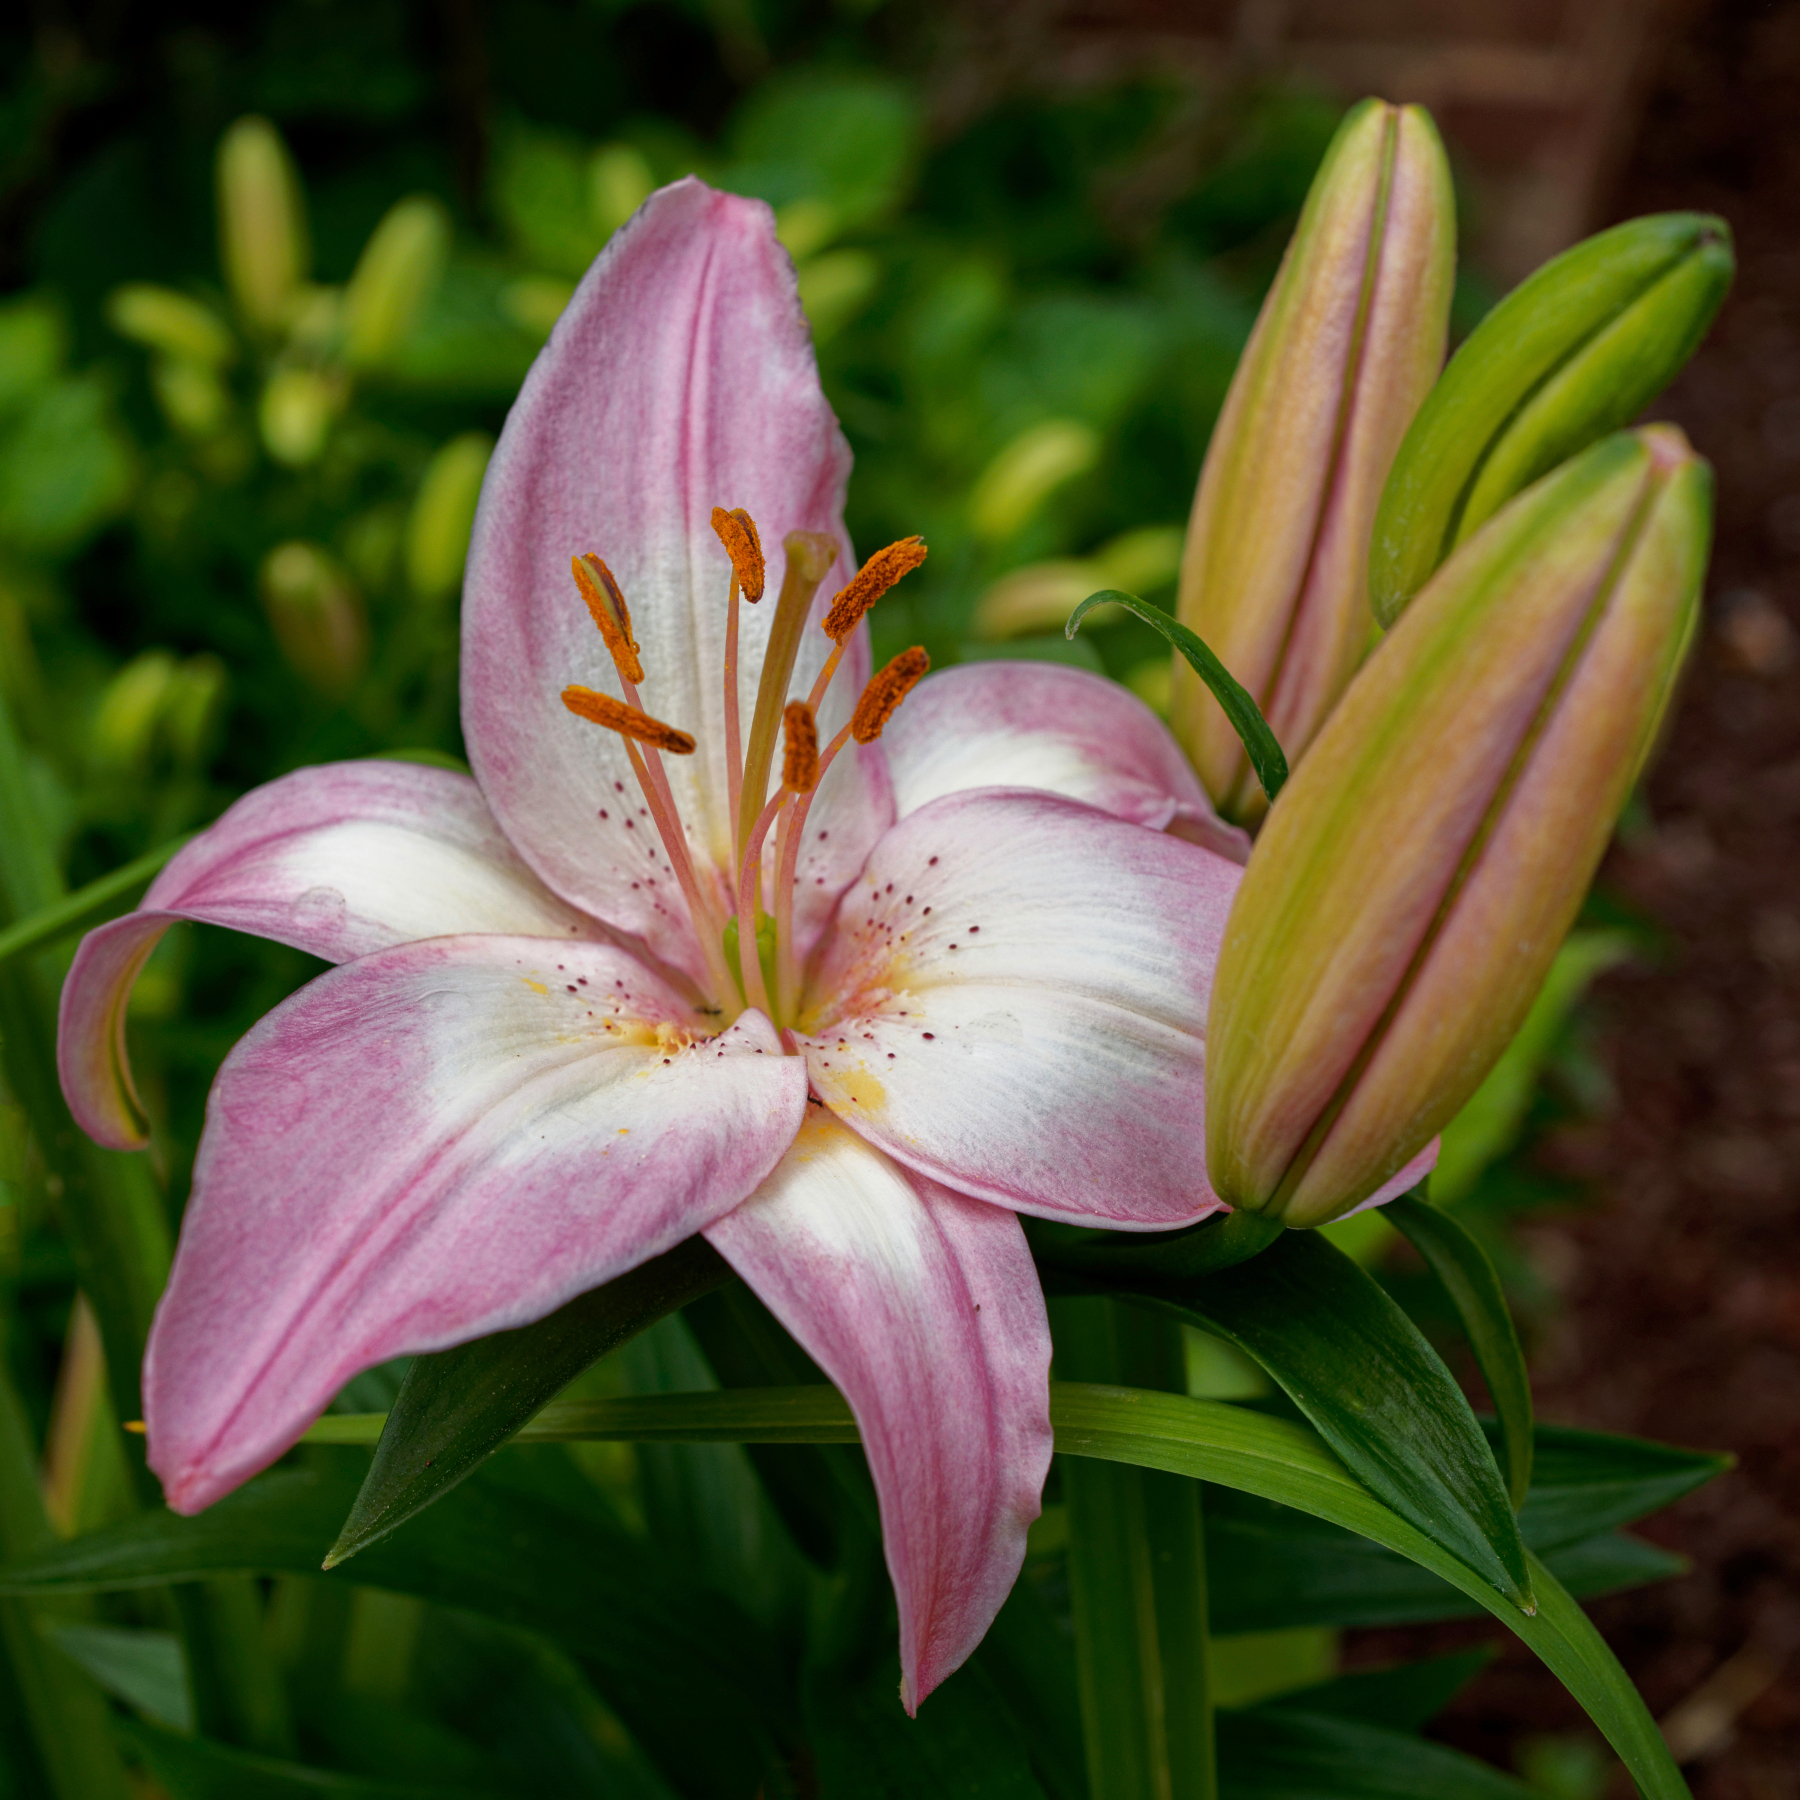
(1378, 1393)
(459, 1406)
(1246, 718)
(1468, 1277)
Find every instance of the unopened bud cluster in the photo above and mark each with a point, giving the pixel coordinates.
(1453, 793)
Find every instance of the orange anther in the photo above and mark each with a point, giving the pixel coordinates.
(615, 715)
(800, 748)
(886, 689)
(737, 532)
(870, 582)
(606, 602)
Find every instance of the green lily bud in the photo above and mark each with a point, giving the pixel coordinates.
(1575, 351)
(123, 733)
(317, 616)
(395, 278)
(437, 533)
(192, 396)
(1027, 471)
(295, 413)
(1414, 880)
(1346, 347)
(262, 223)
(161, 319)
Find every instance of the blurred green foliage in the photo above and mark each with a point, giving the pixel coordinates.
(272, 277)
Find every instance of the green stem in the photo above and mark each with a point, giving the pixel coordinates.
(1137, 1578)
(86, 906)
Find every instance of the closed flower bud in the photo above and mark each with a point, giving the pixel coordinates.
(295, 414)
(317, 616)
(262, 223)
(1575, 351)
(161, 319)
(1417, 875)
(1346, 347)
(1027, 472)
(437, 532)
(124, 729)
(192, 396)
(395, 278)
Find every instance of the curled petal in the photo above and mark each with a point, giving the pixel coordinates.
(679, 379)
(1014, 1000)
(428, 1144)
(337, 861)
(1039, 725)
(924, 1307)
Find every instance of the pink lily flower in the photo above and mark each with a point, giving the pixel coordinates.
(986, 949)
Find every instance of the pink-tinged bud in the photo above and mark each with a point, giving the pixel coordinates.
(1414, 880)
(1348, 343)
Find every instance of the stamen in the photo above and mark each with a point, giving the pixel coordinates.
(737, 532)
(887, 688)
(810, 555)
(606, 602)
(615, 715)
(870, 582)
(800, 748)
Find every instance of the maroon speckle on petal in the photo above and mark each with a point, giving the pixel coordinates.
(929, 1036)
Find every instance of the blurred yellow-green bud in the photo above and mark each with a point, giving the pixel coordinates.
(295, 413)
(192, 707)
(1027, 472)
(619, 182)
(317, 616)
(1040, 596)
(396, 276)
(262, 223)
(1415, 878)
(192, 396)
(161, 319)
(437, 533)
(1575, 351)
(124, 730)
(1346, 347)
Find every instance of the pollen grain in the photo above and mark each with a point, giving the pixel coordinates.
(606, 601)
(737, 532)
(870, 582)
(887, 688)
(615, 715)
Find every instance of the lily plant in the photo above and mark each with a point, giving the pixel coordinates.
(724, 935)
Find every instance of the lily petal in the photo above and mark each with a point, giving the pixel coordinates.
(511, 1122)
(1039, 725)
(337, 861)
(1013, 1002)
(680, 378)
(924, 1308)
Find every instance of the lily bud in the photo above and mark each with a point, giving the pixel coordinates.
(294, 414)
(1575, 351)
(1347, 345)
(262, 223)
(317, 616)
(437, 532)
(395, 278)
(1414, 880)
(161, 319)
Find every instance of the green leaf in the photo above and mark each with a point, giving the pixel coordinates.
(1275, 1753)
(145, 1669)
(86, 906)
(1099, 1257)
(1589, 1481)
(962, 1745)
(1265, 754)
(1271, 1567)
(1028, 1663)
(1462, 1267)
(1137, 1580)
(1406, 1697)
(662, 1650)
(197, 1768)
(1378, 1393)
(456, 1408)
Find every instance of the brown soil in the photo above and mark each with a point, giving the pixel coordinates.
(1681, 1284)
